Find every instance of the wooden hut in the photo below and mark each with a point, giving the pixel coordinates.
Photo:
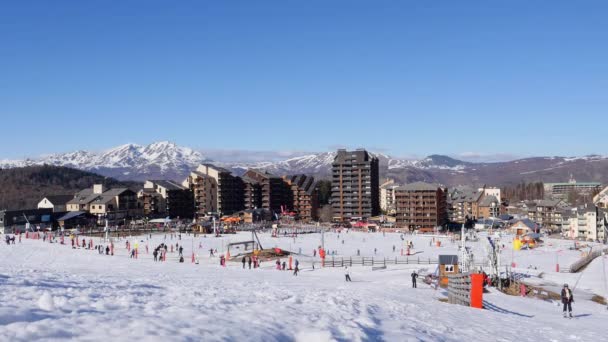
(448, 264)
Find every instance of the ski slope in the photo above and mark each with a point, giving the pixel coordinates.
(53, 292)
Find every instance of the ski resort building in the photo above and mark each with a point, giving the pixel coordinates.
(265, 190)
(421, 206)
(215, 190)
(355, 185)
(57, 203)
(563, 189)
(113, 204)
(387, 197)
(167, 198)
(305, 196)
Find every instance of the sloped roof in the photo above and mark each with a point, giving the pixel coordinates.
(448, 259)
(527, 222)
(487, 201)
(167, 184)
(59, 199)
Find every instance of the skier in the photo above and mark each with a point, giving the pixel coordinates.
(249, 262)
(244, 261)
(393, 248)
(346, 273)
(567, 300)
(107, 250)
(296, 270)
(358, 252)
(278, 263)
(181, 250)
(284, 264)
(414, 276)
(155, 254)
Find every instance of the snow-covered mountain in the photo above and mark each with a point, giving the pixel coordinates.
(127, 162)
(166, 160)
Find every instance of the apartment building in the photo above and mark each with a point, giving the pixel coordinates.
(547, 213)
(387, 197)
(355, 185)
(305, 196)
(215, 190)
(463, 204)
(489, 206)
(586, 223)
(165, 197)
(421, 205)
(563, 189)
(267, 191)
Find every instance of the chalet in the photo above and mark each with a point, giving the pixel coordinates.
(58, 203)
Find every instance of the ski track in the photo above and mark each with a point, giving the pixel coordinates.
(52, 292)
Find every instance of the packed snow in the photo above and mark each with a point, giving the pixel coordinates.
(53, 292)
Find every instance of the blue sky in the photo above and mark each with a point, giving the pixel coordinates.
(467, 78)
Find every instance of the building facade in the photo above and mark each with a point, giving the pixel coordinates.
(58, 203)
(164, 197)
(601, 199)
(276, 194)
(546, 213)
(18, 220)
(355, 185)
(216, 190)
(305, 197)
(113, 204)
(463, 204)
(563, 189)
(421, 205)
(586, 223)
(387, 197)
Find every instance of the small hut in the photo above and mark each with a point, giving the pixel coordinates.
(448, 264)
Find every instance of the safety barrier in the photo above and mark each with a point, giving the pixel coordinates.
(582, 262)
(466, 289)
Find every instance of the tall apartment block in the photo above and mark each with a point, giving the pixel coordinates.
(421, 205)
(355, 185)
(305, 196)
(216, 190)
(264, 190)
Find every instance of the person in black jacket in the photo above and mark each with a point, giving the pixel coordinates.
(414, 276)
(567, 300)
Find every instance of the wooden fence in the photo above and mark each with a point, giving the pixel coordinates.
(459, 289)
(372, 261)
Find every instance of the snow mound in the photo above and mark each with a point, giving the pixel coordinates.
(317, 336)
(46, 302)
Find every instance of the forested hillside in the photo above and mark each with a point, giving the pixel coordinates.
(23, 188)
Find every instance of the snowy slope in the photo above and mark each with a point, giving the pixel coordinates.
(53, 292)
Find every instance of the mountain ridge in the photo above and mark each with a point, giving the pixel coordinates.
(165, 159)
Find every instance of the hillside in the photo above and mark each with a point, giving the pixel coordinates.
(23, 187)
(166, 160)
